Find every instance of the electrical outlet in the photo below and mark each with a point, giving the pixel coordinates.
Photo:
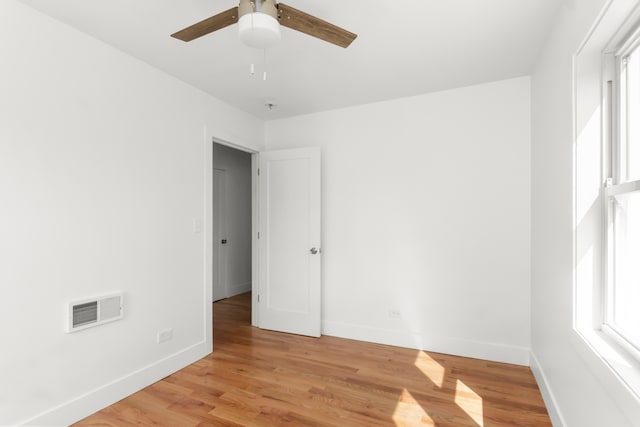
(165, 335)
(394, 313)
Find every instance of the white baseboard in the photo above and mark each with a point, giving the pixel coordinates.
(400, 338)
(101, 397)
(239, 289)
(547, 395)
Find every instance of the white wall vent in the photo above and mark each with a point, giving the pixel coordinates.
(93, 312)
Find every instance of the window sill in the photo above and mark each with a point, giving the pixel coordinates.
(616, 370)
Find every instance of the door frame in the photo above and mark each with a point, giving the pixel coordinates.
(208, 232)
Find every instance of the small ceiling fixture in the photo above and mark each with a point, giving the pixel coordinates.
(258, 25)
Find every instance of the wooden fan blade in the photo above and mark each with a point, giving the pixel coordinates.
(316, 27)
(208, 25)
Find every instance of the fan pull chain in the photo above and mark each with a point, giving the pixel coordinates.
(264, 76)
(252, 67)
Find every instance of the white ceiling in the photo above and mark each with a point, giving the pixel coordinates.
(404, 47)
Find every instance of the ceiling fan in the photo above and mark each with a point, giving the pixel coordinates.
(259, 24)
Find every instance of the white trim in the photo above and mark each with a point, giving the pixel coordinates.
(255, 252)
(216, 140)
(616, 374)
(207, 229)
(626, 39)
(86, 404)
(547, 394)
(238, 288)
(631, 347)
(624, 188)
(439, 344)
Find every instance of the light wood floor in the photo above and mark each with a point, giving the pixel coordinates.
(263, 378)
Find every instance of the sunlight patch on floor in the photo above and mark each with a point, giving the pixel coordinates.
(409, 412)
(469, 401)
(430, 368)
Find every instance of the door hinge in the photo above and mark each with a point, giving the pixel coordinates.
(258, 235)
(258, 297)
(258, 171)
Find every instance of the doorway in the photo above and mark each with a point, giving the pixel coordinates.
(271, 178)
(231, 222)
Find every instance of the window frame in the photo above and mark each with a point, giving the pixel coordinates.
(614, 368)
(616, 184)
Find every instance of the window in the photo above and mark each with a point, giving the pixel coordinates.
(606, 290)
(622, 196)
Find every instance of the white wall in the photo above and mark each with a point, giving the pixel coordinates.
(426, 210)
(574, 395)
(102, 172)
(237, 165)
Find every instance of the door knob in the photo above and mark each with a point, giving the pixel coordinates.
(313, 251)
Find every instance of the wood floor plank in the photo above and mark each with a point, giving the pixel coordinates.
(264, 378)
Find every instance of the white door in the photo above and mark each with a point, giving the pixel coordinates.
(289, 243)
(219, 237)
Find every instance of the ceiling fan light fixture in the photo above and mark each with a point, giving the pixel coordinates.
(259, 30)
